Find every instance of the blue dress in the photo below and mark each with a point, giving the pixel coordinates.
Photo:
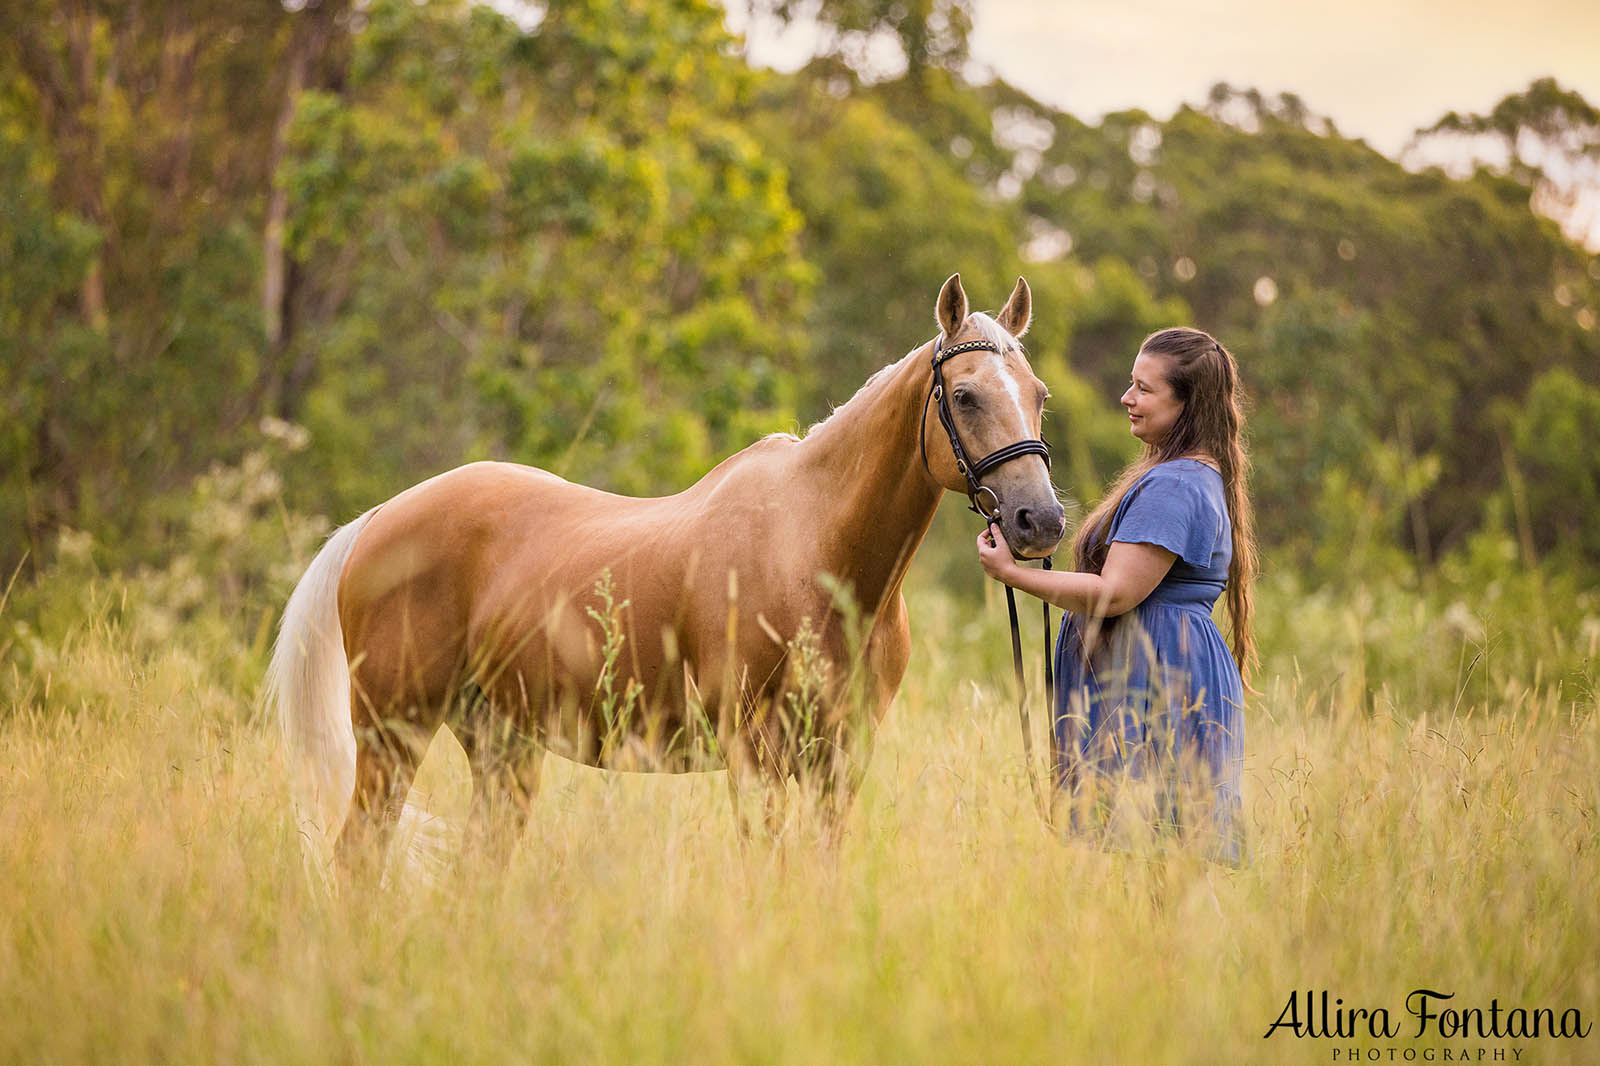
(1149, 735)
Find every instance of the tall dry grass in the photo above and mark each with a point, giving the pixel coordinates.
(1441, 833)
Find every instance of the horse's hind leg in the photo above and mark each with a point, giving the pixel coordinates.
(386, 763)
(506, 761)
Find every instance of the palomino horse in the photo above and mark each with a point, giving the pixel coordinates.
(532, 614)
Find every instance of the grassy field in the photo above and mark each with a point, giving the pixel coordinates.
(1422, 797)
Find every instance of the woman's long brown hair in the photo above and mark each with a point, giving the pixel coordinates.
(1204, 378)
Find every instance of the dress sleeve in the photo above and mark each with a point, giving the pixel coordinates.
(1172, 512)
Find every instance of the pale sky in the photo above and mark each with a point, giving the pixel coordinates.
(1378, 68)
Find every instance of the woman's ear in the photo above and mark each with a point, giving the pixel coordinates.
(1018, 311)
(951, 309)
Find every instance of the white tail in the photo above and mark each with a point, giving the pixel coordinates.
(308, 684)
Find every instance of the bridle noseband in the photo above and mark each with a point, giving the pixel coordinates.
(973, 471)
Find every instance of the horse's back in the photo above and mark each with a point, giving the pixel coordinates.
(496, 560)
(407, 592)
(489, 573)
(439, 523)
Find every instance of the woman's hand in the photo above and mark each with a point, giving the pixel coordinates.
(1131, 572)
(995, 554)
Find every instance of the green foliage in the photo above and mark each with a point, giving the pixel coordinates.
(923, 35)
(1364, 302)
(1556, 436)
(132, 146)
(43, 355)
(802, 714)
(887, 223)
(616, 709)
(1547, 138)
(573, 274)
(1481, 630)
(234, 551)
(605, 245)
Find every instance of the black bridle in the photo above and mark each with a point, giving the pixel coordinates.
(974, 472)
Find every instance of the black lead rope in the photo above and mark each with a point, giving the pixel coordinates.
(1040, 799)
(973, 472)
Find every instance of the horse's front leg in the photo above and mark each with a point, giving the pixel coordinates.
(756, 771)
(854, 707)
(841, 767)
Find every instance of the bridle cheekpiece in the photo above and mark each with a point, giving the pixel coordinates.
(974, 472)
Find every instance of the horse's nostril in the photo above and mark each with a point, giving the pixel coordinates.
(1025, 520)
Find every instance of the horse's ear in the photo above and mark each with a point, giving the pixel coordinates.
(952, 306)
(1018, 311)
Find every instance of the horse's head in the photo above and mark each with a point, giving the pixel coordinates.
(981, 427)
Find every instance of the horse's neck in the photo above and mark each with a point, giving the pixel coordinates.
(871, 499)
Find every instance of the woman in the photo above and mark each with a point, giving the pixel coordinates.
(1148, 724)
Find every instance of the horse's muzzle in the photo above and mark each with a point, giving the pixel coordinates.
(1034, 531)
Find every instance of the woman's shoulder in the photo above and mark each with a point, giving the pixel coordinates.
(1191, 464)
(1179, 505)
(1188, 486)
(1185, 471)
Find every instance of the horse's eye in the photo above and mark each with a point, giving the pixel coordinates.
(966, 398)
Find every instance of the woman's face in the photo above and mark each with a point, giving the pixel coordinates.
(1152, 408)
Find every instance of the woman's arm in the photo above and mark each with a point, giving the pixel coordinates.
(1131, 572)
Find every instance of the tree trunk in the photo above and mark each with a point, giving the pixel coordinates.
(81, 159)
(276, 270)
(316, 28)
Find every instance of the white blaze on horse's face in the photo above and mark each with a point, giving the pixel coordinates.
(996, 401)
(1013, 390)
